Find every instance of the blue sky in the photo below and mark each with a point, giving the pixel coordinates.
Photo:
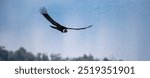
(120, 27)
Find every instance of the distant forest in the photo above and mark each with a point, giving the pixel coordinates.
(23, 55)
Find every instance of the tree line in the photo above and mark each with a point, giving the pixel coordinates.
(23, 55)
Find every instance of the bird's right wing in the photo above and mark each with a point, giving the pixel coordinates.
(45, 14)
(80, 28)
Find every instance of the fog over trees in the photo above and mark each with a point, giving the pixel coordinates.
(23, 55)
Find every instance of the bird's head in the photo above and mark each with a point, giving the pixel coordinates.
(65, 30)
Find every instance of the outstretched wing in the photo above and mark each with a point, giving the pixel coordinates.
(80, 28)
(45, 14)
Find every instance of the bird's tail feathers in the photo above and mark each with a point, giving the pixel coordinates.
(52, 26)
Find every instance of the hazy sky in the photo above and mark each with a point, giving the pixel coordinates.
(121, 28)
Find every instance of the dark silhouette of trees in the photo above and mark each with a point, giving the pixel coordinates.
(45, 57)
(85, 58)
(23, 55)
(3, 53)
(56, 57)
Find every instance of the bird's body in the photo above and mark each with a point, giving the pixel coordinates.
(57, 26)
(62, 28)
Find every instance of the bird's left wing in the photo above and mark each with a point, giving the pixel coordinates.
(49, 18)
(80, 28)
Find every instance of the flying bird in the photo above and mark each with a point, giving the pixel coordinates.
(56, 25)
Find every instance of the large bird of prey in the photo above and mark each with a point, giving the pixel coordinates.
(58, 26)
